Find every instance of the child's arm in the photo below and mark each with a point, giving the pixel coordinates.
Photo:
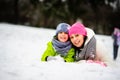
(70, 56)
(48, 52)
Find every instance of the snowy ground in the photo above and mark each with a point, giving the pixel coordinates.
(21, 49)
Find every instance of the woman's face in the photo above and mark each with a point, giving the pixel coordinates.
(77, 40)
(62, 36)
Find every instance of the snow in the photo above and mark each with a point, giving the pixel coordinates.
(21, 48)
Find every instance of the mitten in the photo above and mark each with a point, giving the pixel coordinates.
(50, 58)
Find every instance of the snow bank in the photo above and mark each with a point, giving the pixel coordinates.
(21, 48)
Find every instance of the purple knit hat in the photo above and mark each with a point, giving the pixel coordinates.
(77, 28)
(62, 27)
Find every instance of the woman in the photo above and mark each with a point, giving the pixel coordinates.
(85, 44)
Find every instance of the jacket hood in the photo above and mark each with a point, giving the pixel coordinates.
(90, 34)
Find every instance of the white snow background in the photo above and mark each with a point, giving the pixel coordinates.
(21, 48)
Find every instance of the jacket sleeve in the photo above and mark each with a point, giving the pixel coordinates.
(91, 49)
(70, 56)
(48, 52)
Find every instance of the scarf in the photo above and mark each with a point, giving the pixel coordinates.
(61, 48)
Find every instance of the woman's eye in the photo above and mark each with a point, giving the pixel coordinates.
(71, 37)
(76, 35)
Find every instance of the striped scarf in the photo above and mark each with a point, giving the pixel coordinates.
(61, 48)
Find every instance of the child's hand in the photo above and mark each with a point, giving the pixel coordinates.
(59, 58)
(50, 58)
(55, 58)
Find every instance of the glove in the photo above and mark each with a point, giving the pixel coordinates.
(50, 58)
(59, 58)
(97, 62)
(55, 58)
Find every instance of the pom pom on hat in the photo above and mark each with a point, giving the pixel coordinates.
(62, 27)
(78, 28)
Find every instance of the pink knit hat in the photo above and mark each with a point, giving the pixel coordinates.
(77, 28)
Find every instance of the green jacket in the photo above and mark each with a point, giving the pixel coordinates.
(50, 51)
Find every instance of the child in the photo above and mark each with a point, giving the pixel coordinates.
(116, 43)
(60, 45)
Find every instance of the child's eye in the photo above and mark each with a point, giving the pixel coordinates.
(60, 32)
(63, 33)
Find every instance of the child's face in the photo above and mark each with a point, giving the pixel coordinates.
(62, 36)
(77, 39)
